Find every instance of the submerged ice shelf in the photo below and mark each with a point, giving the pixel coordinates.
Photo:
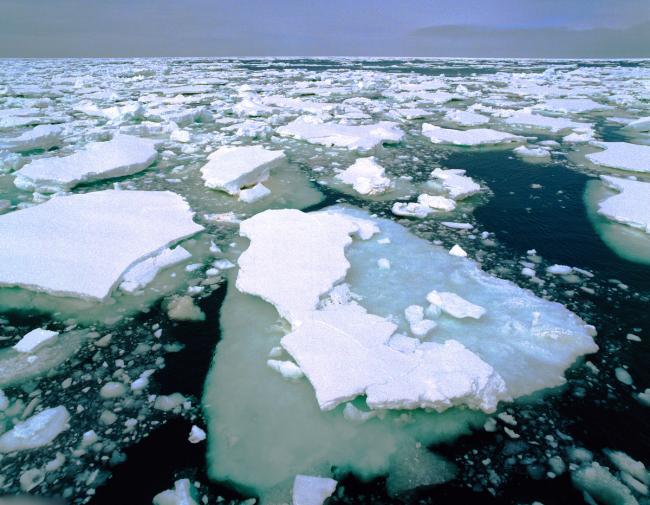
(348, 348)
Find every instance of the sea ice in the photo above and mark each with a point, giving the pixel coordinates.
(466, 117)
(120, 156)
(457, 184)
(141, 274)
(182, 494)
(350, 348)
(366, 176)
(572, 105)
(472, 137)
(622, 155)
(34, 339)
(308, 490)
(553, 124)
(454, 305)
(631, 205)
(360, 137)
(39, 137)
(36, 431)
(233, 168)
(437, 202)
(92, 239)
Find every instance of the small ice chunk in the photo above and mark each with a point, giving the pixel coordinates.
(458, 251)
(182, 494)
(308, 490)
(37, 431)
(559, 270)
(288, 369)
(623, 376)
(123, 155)
(366, 176)
(472, 137)
(233, 168)
(196, 435)
(455, 305)
(437, 202)
(352, 413)
(254, 194)
(410, 209)
(457, 184)
(383, 263)
(457, 226)
(112, 390)
(531, 152)
(34, 339)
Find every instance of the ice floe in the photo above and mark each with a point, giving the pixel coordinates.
(622, 155)
(39, 137)
(233, 168)
(308, 490)
(631, 205)
(366, 176)
(36, 431)
(349, 349)
(360, 137)
(472, 137)
(120, 156)
(457, 184)
(92, 239)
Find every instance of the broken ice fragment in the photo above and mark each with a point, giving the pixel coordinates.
(233, 168)
(366, 176)
(455, 305)
(182, 494)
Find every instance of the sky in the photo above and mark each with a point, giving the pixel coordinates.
(473, 28)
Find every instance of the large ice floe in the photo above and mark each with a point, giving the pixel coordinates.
(120, 156)
(360, 137)
(619, 210)
(235, 168)
(91, 240)
(622, 156)
(313, 281)
(39, 137)
(471, 137)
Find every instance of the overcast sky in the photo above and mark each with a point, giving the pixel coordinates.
(535, 28)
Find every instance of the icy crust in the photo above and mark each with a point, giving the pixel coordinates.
(233, 168)
(120, 156)
(309, 246)
(92, 239)
(366, 176)
(359, 137)
(471, 137)
(622, 155)
(630, 206)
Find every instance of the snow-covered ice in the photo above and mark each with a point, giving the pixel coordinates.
(366, 176)
(34, 339)
(359, 137)
(622, 156)
(120, 156)
(472, 137)
(308, 490)
(630, 206)
(233, 168)
(92, 239)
